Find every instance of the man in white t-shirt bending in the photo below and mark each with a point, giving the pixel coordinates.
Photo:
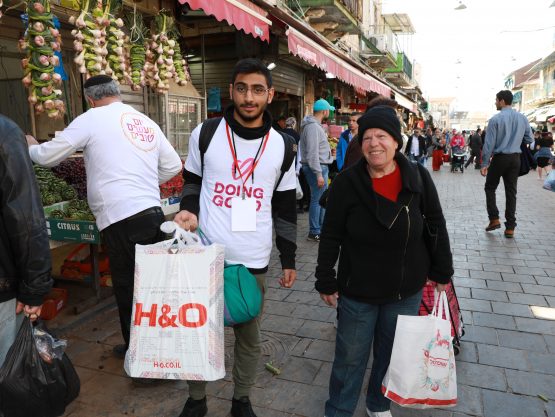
(239, 174)
(126, 157)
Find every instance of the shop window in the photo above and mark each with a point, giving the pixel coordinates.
(184, 114)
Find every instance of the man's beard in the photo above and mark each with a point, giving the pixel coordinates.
(249, 117)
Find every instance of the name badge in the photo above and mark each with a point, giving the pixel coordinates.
(243, 215)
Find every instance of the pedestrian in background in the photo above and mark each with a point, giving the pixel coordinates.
(416, 147)
(25, 266)
(544, 155)
(291, 129)
(438, 142)
(346, 138)
(123, 175)
(505, 133)
(374, 224)
(245, 133)
(475, 145)
(316, 158)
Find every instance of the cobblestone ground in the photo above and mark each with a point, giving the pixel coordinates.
(506, 290)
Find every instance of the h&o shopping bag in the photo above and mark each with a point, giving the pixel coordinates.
(177, 325)
(422, 372)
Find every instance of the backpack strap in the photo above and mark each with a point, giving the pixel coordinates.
(290, 151)
(207, 131)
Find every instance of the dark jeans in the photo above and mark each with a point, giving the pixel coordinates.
(504, 166)
(120, 239)
(361, 326)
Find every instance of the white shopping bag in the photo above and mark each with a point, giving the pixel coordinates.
(422, 372)
(177, 324)
(299, 190)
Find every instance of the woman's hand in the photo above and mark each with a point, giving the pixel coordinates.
(441, 287)
(330, 299)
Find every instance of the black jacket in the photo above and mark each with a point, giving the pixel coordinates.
(24, 250)
(421, 145)
(380, 244)
(475, 143)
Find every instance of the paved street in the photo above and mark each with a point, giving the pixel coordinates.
(504, 287)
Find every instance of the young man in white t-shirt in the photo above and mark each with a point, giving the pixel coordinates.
(239, 175)
(126, 158)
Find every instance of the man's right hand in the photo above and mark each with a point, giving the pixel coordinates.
(186, 220)
(321, 181)
(31, 140)
(330, 299)
(33, 312)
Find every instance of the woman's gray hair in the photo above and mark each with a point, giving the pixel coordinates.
(100, 91)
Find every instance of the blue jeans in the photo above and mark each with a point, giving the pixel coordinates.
(359, 325)
(316, 212)
(420, 159)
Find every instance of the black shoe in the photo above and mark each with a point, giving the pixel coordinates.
(242, 408)
(194, 408)
(119, 351)
(313, 237)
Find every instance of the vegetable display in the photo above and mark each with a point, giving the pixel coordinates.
(160, 66)
(75, 210)
(116, 65)
(137, 49)
(73, 172)
(52, 189)
(90, 38)
(41, 40)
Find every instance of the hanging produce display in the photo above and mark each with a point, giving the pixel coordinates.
(160, 64)
(137, 49)
(41, 40)
(116, 65)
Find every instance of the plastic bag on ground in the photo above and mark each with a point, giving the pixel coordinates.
(29, 386)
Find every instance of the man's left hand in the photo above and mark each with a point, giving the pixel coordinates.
(441, 287)
(288, 279)
(31, 140)
(484, 171)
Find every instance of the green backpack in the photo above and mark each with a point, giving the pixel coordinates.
(242, 295)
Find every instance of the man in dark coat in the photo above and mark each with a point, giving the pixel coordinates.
(25, 264)
(475, 144)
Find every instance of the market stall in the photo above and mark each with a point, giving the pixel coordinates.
(48, 48)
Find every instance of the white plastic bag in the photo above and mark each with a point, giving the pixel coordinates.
(299, 190)
(422, 372)
(177, 325)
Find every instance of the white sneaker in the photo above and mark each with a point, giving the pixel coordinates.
(378, 413)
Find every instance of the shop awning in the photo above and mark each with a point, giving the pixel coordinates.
(541, 114)
(406, 103)
(242, 14)
(314, 54)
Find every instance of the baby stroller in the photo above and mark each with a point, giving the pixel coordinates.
(457, 159)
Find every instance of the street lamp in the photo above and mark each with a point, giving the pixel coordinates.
(462, 6)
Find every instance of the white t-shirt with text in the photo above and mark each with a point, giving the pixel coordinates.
(221, 183)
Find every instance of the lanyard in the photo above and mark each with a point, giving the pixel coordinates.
(233, 149)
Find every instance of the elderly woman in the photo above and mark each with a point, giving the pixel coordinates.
(375, 224)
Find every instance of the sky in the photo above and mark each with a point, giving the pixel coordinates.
(467, 53)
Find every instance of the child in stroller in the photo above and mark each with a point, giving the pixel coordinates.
(457, 158)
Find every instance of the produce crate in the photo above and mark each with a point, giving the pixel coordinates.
(73, 231)
(58, 206)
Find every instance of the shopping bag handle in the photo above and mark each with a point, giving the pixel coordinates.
(441, 305)
(181, 238)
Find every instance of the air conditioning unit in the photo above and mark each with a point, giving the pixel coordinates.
(382, 43)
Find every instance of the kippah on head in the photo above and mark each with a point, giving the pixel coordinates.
(97, 80)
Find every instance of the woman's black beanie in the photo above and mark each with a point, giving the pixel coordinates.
(381, 117)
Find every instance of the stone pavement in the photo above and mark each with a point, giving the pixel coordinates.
(505, 287)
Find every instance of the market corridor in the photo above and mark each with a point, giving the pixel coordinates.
(506, 289)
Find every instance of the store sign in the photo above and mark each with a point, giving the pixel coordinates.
(73, 231)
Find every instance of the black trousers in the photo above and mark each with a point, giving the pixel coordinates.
(506, 166)
(305, 201)
(474, 157)
(120, 239)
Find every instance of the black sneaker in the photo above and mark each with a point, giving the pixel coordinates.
(313, 237)
(242, 408)
(119, 351)
(194, 408)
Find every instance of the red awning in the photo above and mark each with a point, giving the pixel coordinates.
(240, 13)
(314, 54)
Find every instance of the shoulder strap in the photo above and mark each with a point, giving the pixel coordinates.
(422, 182)
(207, 131)
(290, 151)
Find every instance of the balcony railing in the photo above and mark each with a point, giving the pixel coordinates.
(354, 7)
(403, 65)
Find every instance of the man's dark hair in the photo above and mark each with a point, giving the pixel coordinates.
(356, 113)
(381, 101)
(251, 66)
(506, 96)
